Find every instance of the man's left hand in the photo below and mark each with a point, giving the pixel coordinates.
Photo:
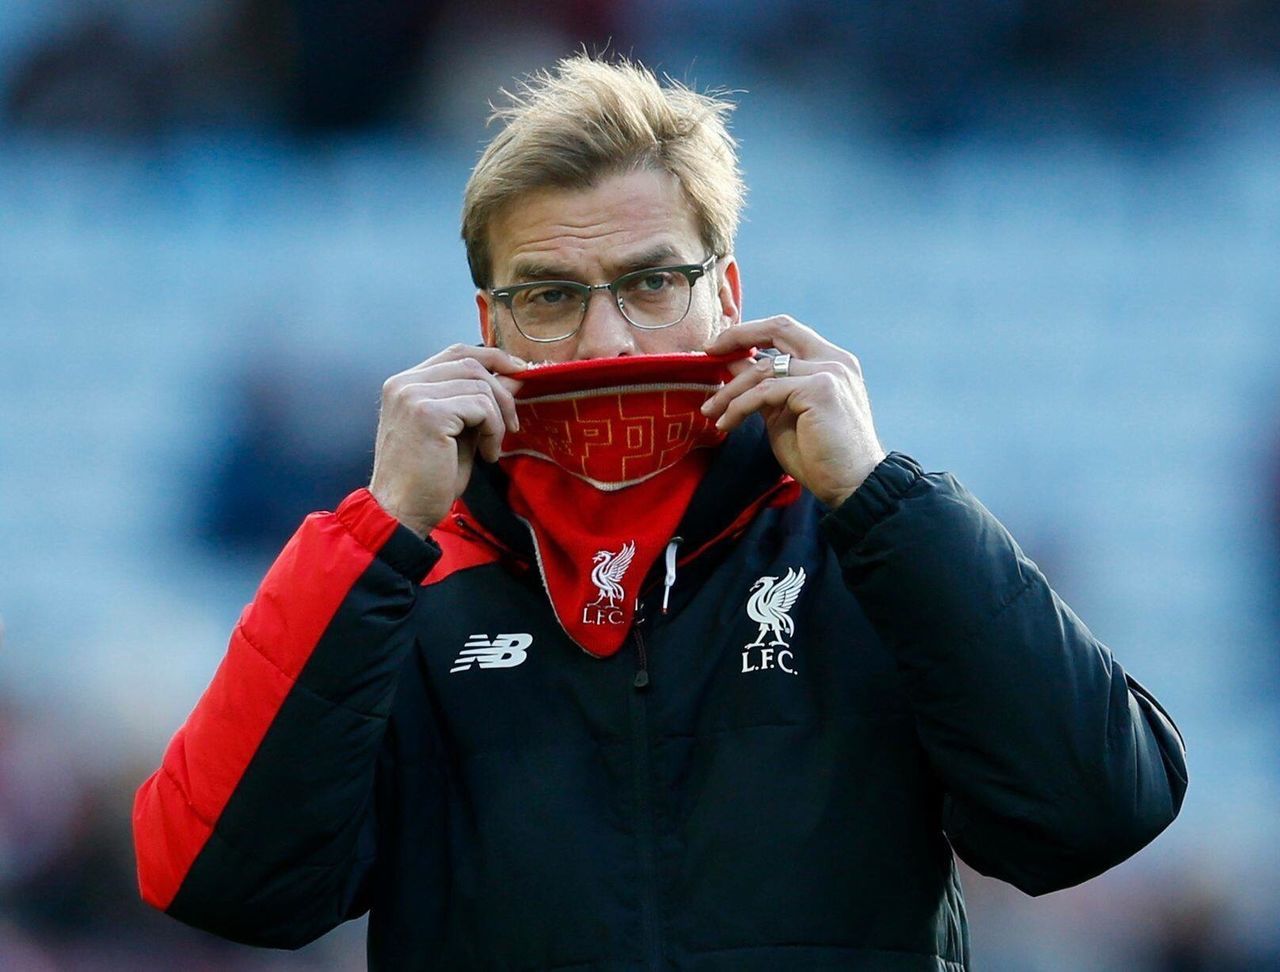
(818, 415)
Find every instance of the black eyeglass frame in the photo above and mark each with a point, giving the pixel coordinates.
(692, 272)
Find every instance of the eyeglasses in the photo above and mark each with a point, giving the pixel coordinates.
(650, 299)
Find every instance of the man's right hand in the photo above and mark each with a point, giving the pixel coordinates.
(434, 419)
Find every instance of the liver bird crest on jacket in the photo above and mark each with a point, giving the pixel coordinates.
(770, 605)
(608, 571)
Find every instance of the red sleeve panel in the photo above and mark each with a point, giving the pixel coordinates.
(275, 761)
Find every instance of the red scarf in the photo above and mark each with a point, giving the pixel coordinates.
(609, 453)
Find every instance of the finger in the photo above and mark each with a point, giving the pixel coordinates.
(456, 388)
(754, 372)
(479, 412)
(450, 363)
(782, 332)
(492, 432)
(503, 395)
(772, 392)
(494, 359)
(470, 369)
(512, 385)
(748, 376)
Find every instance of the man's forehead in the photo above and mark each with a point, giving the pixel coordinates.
(632, 218)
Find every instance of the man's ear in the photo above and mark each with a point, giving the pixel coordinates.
(730, 293)
(484, 305)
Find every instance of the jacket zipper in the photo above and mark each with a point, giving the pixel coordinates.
(464, 525)
(646, 841)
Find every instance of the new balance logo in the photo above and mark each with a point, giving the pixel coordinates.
(502, 651)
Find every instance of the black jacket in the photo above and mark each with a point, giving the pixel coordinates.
(722, 794)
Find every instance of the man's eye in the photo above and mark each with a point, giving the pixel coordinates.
(546, 296)
(651, 283)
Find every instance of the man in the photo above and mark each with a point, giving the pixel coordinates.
(808, 670)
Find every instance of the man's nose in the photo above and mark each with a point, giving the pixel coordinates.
(605, 332)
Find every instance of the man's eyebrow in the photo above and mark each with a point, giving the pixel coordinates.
(523, 271)
(663, 254)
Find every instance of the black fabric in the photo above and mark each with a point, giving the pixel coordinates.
(744, 809)
(742, 471)
(291, 849)
(924, 542)
(895, 475)
(486, 498)
(408, 554)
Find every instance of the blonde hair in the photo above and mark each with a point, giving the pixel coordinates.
(587, 119)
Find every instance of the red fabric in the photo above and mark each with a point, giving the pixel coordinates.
(609, 453)
(463, 544)
(175, 809)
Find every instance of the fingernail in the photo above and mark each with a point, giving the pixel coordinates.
(520, 361)
(706, 407)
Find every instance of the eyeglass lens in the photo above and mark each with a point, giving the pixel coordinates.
(648, 298)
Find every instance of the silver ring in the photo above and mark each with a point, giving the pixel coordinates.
(782, 366)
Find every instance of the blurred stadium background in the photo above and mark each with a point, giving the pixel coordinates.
(1050, 229)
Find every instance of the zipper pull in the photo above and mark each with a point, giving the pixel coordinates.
(670, 580)
(641, 680)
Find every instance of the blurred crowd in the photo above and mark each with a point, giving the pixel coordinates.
(917, 76)
(1137, 69)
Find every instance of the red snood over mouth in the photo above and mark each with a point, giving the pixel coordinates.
(609, 453)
